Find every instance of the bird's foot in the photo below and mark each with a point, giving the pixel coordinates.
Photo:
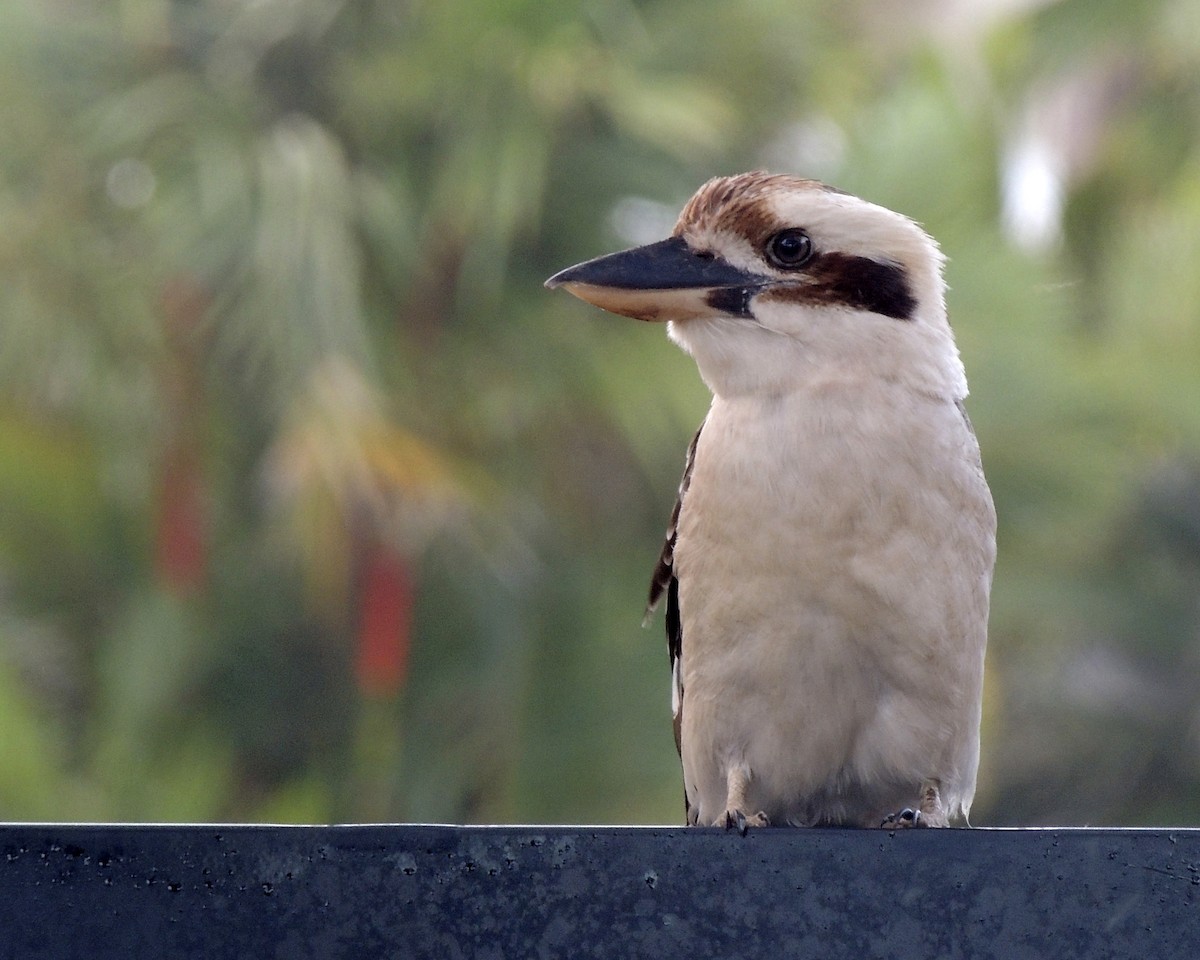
(929, 811)
(905, 819)
(737, 819)
(737, 780)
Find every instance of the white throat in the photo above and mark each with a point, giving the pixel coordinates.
(787, 347)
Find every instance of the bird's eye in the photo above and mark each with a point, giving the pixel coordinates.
(790, 249)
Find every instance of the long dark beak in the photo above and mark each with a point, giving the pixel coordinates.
(667, 280)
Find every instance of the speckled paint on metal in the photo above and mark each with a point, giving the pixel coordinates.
(511, 892)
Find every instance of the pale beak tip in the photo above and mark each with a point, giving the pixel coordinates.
(560, 279)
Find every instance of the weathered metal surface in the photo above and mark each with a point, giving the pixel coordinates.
(514, 892)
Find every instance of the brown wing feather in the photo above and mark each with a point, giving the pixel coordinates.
(665, 581)
(664, 571)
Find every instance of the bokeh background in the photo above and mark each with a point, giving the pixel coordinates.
(315, 506)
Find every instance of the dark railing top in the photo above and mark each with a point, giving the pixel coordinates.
(215, 891)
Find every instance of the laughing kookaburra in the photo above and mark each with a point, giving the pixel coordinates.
(828, 564)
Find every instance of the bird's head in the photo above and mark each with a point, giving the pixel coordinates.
(769, 281)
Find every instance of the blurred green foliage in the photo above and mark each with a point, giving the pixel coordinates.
(314, 506)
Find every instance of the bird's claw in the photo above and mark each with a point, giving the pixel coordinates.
(736, 819)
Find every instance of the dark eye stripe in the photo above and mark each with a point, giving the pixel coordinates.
(859, 282)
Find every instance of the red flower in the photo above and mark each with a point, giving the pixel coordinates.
(386, 602)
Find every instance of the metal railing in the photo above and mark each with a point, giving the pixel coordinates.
(134, 891)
